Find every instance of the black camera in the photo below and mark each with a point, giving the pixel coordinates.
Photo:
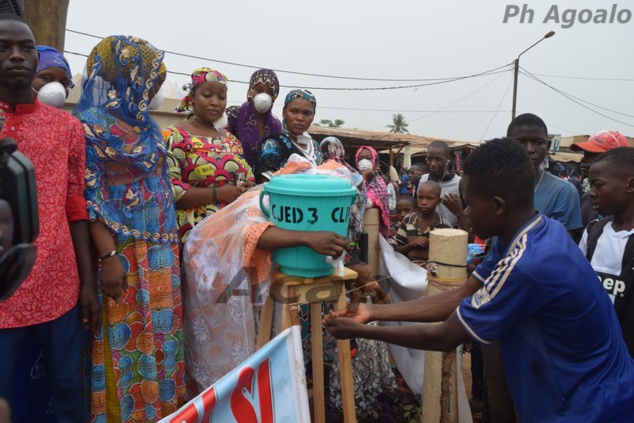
(19, 223)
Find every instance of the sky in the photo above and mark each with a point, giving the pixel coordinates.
(396, 40)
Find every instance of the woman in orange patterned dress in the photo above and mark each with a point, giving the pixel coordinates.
(136, 364)
(206, 164)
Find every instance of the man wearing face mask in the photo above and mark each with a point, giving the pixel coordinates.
(254, 121)
(53, 80)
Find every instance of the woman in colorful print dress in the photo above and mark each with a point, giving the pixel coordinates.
(137, 366)
(206, 164)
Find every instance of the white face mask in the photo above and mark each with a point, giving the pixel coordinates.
(365, 164)
(53, 94)
(303, 139)
(262, 102)
(157, 100)
(221, 123)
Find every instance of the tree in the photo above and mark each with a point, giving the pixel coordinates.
(338, 123)
(47, 19)
(399, 125)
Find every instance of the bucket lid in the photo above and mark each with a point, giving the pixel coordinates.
(310, 185)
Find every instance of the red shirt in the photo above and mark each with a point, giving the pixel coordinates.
(54, 141)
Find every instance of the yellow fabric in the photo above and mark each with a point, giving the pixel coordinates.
(105, 49)
(113, 405)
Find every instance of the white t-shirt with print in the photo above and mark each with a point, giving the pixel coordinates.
(607, 258)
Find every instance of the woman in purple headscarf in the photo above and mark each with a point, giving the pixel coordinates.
(254, 120)
(53, 79)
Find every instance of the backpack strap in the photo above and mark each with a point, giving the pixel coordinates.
(595, 229)
(624, 303)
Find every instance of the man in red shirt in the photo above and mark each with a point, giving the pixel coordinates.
(46, 304)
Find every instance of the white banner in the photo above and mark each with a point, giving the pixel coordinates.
(269, 387)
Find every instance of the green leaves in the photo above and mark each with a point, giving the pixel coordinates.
(399, 124)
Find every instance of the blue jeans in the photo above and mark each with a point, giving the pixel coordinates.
(61, 339)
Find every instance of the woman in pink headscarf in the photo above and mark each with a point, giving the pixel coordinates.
(366, 160)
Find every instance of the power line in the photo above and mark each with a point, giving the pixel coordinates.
(361, 109)
(550, 125)
(458, 101)
(432, 112)
(352, 78)
(585, 78)
(573, 100)
(437, 82)
(499, 107)
(582, 100)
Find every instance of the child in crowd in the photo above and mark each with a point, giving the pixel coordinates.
(412, 237)
(392, 197)
(608, 243)
(404, 206)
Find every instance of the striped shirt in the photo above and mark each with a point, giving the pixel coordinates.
(409, 229)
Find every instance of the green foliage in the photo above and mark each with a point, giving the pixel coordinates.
(399, 124)
(414, 412)
(337, 123)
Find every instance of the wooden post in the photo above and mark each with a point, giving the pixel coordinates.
(371, 227)
(47, 19)
(440, 395)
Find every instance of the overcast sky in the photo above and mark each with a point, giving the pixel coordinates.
(394, 40)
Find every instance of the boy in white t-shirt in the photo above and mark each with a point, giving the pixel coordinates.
(608, 243)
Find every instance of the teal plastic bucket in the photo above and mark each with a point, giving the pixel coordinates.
(307, 203)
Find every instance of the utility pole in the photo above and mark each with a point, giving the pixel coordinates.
(47, 19)
(516, 64)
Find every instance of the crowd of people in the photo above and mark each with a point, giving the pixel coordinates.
(147, 233)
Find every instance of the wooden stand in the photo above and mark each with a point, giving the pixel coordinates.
(294, 290)
(371, 227)
(446, 270)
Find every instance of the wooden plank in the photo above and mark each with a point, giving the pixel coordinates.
(266, 320)
(319, 399)
(345, 372)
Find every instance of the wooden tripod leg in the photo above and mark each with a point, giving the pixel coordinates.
(345, 371)
(318, 363)
(290, 311)
(266, 320)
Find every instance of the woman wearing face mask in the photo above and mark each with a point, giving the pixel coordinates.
(254, 121)
(374, 186)
(206, 163)
(53, 79)
(298, 113)
(138, 351)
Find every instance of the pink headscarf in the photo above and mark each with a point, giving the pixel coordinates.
(377, 193)
(199, 76)
(371, 150)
